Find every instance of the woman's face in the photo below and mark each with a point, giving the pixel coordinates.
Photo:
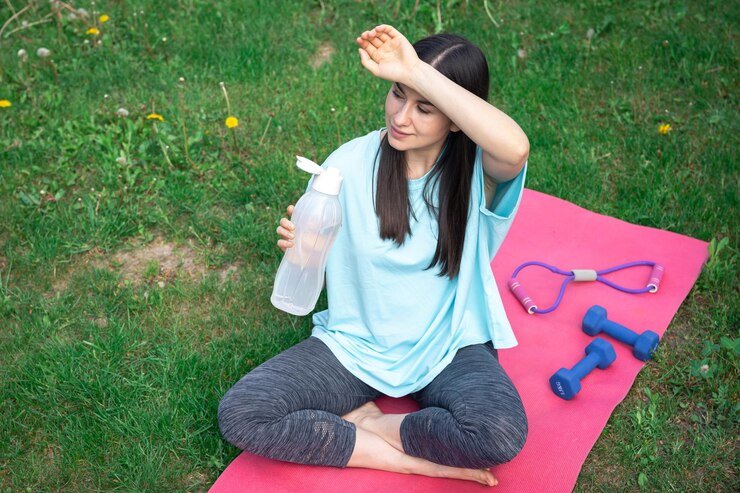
(413, 123)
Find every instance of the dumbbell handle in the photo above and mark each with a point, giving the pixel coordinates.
(619, 332)
(585, 366)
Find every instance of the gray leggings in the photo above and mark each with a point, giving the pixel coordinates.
(289, 409)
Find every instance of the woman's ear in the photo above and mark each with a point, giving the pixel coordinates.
(454, 128)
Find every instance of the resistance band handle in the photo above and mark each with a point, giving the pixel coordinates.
(584, 275)
(518, 290)
(655, 276)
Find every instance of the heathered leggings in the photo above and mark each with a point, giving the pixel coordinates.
(289, 409)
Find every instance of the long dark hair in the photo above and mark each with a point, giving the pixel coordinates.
(463, 63)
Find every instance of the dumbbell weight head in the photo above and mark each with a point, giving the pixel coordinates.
(645, 345)
(567, 383)
(593, 319)
(604, 350)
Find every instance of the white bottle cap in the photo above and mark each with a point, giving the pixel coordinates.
(327, 181)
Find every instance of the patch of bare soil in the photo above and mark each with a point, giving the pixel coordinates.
(170, 261)
(158, 262)
(323, 55)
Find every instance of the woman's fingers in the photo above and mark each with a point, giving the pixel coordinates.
(287, 223)
(389, 30)
(376, 41)
(367, 62)
(286, 230)
(284, 233)
(375, 37)
(284, 244)
(366, 45)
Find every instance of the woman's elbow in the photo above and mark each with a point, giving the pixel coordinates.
(524, 153)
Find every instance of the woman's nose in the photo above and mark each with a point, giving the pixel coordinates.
(403, 116)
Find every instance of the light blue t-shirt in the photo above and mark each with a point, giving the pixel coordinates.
(391, 323)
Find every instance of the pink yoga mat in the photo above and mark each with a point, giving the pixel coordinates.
(561, 433)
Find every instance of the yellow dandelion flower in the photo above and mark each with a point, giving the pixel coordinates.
(232, 122)
(104, 18)
(4, 103)
(93, 31)
(664, 129)
(155, 116)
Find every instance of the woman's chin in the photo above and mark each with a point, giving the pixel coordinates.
(397, 145)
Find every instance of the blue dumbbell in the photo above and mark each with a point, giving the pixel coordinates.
(643, 345)
(567, 383)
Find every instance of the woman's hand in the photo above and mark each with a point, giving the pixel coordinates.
(285, 230)
(387, 54)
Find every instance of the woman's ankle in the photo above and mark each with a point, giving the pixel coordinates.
(388, 427)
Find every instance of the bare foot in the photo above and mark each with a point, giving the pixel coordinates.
(373, 452)
(483, 476)
(367, 410)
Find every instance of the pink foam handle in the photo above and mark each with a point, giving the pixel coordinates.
(655, 276)
(520, 294)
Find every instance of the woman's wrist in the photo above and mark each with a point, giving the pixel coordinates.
(421, 78)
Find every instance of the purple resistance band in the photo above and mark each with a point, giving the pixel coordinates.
(583, 275)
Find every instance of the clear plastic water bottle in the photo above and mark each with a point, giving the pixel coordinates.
(317, 217)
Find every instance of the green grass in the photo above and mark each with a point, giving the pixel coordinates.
(110, 382)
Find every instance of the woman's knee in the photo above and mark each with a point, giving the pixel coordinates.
(243, 411)
(500, 439)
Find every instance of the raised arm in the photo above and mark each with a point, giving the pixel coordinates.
(386, 53)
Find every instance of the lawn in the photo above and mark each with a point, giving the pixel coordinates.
(137, 239)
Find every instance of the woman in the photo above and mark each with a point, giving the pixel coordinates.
(413, 307)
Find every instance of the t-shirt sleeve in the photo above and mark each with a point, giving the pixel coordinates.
(496, 217)
(507, 195)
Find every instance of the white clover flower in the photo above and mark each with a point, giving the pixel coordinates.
(704, 369)
(24, 24)
(23, 55)
(521, 53)
(122, 112)
(164, 39)
(590, 33)
(122, 161)
(181, 80)
(43, 52)
(82, 13)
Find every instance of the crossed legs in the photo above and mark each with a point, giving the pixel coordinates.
(289, 409)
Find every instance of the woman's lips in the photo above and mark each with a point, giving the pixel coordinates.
(397, 134)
